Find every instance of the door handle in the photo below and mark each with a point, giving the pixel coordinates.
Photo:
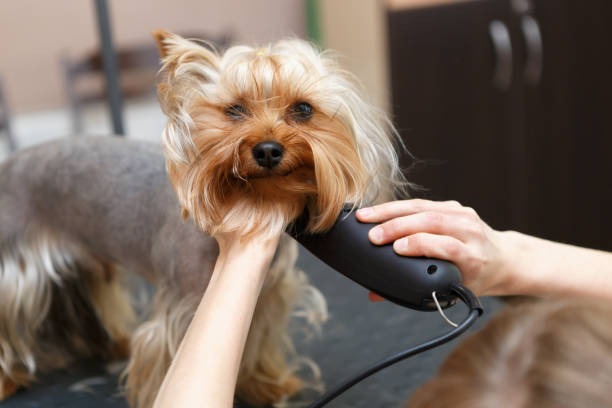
(502, 45)
(534, 60)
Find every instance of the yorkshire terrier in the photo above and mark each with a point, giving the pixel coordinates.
(255, 136)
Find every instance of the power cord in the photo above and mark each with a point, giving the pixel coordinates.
(475, 310)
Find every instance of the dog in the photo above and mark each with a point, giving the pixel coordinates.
(255, 136)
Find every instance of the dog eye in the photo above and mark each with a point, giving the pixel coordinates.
(236, 111)
(302, 111)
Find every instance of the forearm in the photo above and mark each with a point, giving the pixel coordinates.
(204, 371)
(551, 269)
(491, 262)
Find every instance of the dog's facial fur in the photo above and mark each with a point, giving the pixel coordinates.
(254, 136)
(332, 147)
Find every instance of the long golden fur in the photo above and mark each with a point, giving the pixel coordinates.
(75, 213)
(538, 353)
(343, 152)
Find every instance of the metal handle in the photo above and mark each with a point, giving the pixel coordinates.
(502, 78)
(533, 39)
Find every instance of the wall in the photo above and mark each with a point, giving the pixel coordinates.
(356, 29)
(34, 33)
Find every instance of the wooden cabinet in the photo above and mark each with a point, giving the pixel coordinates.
(506, 107)
(568, 124)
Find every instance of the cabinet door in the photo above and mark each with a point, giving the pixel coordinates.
(451, 116)
(569, 124)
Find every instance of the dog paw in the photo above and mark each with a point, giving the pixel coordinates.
(261, 393)
(291, 386)
(7, 388)
(120, 349)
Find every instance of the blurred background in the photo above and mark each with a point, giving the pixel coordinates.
(504, 105)
(51, 68)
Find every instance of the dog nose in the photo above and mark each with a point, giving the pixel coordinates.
(268, 154)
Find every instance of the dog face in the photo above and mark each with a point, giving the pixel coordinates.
(256, 135)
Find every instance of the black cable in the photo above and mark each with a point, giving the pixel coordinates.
(475, 311)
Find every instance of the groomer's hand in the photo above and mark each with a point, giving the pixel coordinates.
(443, 230)
(491, 262)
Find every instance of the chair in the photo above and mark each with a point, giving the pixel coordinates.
(137, 64)
(5, 124)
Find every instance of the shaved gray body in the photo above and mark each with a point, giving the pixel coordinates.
(75, 212)
(110, 195)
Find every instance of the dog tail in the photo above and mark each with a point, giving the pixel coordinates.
(57, 302)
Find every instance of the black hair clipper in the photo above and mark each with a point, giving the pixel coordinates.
(417, 283)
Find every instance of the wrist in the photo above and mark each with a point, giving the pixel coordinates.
(516, 275)
(249, 259)
(531, 266)
(237, 246)
(235, 242)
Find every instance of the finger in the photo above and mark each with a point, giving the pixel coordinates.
(456, 224)
(375, 297)
(469, 260)
(432, 246)
(393, 209)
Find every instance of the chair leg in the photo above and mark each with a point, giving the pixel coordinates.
(12, 145)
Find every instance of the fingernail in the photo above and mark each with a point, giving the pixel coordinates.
(376, 235)
(401, 245)
(364, 211)
(375, 297)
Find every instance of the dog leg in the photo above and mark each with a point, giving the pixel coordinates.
(7, 388)
(113, 307)
(270, 363)
(28, 273)
(268, 370)
(50, 290)
(264, 377)
(155, 343)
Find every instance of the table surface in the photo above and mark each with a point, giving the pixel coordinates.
(357, 334)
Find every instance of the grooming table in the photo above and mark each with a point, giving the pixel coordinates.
(357, 334)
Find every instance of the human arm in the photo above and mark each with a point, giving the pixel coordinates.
(492, 262)
(203, 373)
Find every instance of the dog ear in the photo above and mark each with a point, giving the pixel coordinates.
(189, 70)
(173, 44)
(186, 66)
(164, 39)
(175, 50)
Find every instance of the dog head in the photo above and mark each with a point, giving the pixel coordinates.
(256, 135)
